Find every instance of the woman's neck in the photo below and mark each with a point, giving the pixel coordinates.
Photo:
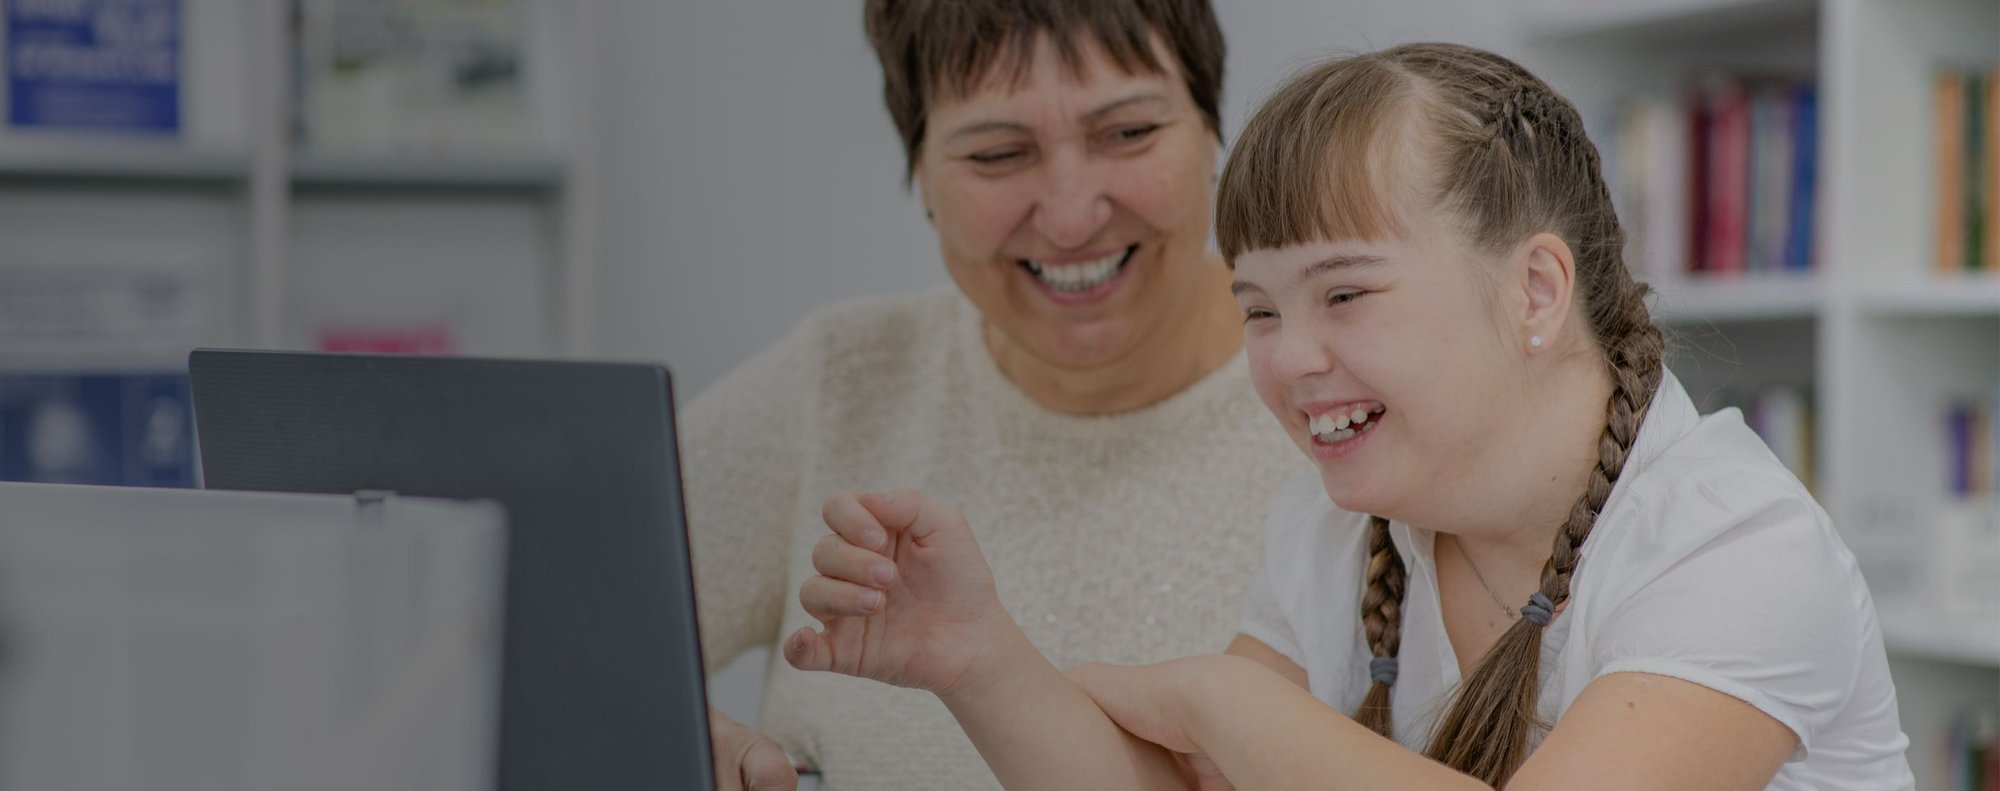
(1175, 356)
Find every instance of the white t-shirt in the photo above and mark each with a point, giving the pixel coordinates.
(1709, 563)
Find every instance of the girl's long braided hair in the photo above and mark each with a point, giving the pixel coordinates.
(1319, 162)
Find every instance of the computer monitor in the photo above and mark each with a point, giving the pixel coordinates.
(601, 677)
(182, 640)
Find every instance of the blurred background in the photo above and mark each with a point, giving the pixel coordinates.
(1813, 186)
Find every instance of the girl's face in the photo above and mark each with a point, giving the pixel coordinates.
(1073, 207)
(1390, 363)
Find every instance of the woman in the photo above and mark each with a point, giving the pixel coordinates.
(1082, 389)
(1524, 560)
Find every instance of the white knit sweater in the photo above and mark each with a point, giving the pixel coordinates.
(1128, 538)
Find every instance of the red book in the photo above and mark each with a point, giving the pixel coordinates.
(1728, 177)
(1697, 183)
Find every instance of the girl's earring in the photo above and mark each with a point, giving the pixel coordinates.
(1535, 342)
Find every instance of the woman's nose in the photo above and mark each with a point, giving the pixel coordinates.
(1073, 205)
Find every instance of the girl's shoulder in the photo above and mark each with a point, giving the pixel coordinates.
(1715, 480)
(1306, 535)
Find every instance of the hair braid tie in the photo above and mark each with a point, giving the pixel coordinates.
(1382, 670)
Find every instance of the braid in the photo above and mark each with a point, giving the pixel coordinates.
(1538, 171)
(1381, 619)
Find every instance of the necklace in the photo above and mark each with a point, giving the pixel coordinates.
(1504, 609)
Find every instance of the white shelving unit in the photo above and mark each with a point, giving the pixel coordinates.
(289, 241)
(1878, 336)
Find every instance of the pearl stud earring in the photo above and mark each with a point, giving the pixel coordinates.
(1535, 342)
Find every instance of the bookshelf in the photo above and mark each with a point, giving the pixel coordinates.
(263, 221)
(121, 250)
(1877, 334)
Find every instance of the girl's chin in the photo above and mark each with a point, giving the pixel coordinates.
(1351, 495)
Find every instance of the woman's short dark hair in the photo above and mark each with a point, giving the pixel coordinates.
(932, 49)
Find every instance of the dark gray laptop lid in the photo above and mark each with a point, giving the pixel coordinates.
(601, 676)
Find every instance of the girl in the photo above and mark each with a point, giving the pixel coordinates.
(1526, 562)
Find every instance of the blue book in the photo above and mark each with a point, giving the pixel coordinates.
(107, 65)
(1805, 175)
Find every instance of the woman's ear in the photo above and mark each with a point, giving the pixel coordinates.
(1548, 280)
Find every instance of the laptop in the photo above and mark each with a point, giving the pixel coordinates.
(182, 640)
(601, 674)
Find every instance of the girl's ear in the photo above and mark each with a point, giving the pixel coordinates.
(1548, 279)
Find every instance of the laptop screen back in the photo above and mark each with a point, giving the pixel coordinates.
(601, 681)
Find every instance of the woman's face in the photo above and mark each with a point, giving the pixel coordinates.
(1072, 207)
(1402, 335)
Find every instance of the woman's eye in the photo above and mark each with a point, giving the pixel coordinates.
(1343, 297)
(1254, 314)
(1128, 135)
(995, 157)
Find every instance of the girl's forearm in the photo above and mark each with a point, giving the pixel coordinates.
(1265, 732)
(1037, 729)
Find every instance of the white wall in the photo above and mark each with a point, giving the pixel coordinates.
(753, 174)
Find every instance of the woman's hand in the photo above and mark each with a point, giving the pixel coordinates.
(746, 759)
(905, 596)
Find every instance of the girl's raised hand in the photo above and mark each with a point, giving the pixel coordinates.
(903, 593)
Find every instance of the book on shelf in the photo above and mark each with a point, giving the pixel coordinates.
(412, 77)
(120, 429)
(1720, 181)
(1965, 133)
(1967, 573)
(94, 65)
(1783, 418)
(1972, 447)
(1972, 750)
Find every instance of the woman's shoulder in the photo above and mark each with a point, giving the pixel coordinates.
(885, 321)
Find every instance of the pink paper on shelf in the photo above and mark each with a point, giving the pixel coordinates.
(420, 339)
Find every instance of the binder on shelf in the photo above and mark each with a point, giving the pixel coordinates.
(94, 65)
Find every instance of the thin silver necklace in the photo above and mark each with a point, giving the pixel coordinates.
(1508, 611)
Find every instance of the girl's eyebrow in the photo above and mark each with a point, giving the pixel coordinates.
(1333, 264)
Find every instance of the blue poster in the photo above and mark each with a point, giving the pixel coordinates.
(109, 65)
(132, 429)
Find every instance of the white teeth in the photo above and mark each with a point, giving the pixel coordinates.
(1079, 277)
(1339, 426)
